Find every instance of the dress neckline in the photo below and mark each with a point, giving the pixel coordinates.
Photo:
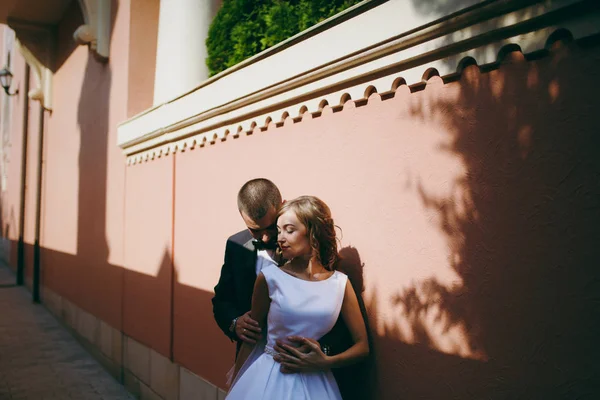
(305, 280)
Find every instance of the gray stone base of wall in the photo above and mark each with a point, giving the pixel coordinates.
(4, 251)
(145, 373)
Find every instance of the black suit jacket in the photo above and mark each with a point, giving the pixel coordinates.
(233, 293)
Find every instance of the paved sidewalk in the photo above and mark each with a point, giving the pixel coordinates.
(39, 359)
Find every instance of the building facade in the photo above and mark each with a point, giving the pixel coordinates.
(455, 142)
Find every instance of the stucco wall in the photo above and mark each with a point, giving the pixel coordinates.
(84, 174)
(148, 251)
(142, 54)
(472, 207)
(10, 200)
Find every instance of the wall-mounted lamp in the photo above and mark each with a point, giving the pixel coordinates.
(6, 80)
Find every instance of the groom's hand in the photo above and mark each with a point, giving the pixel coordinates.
(247, 329)
(304, 355)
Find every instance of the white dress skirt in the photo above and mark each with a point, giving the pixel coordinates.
(298, 308)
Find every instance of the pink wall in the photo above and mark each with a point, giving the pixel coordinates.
(470, 206)
(85, 173)
(207, 181)
(142, 54)
(148, 251)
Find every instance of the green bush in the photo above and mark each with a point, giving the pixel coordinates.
(243, 28)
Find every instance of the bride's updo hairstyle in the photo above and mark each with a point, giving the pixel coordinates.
(315, 215)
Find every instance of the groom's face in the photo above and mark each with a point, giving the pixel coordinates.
(264, 229)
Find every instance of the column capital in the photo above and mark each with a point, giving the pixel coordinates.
(96, 30)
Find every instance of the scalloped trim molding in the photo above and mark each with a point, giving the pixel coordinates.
(96, 30)
(363, 95)
(377, 73)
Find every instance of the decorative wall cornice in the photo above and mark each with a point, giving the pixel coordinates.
(96, 30)
(478, 35)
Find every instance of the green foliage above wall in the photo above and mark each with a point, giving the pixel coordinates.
(243, 28)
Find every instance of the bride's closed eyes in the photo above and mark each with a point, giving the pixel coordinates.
(287, 229)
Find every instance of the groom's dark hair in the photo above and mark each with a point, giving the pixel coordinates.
(257, 196)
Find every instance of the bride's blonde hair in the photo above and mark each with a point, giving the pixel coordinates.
(315, 215)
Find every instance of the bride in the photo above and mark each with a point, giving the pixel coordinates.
(302, 298)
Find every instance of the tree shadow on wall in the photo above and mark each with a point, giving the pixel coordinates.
(523, 230)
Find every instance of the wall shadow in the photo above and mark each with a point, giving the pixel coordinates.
(522, 229)
(87, 276)
(201, 347)
(65, 44)
(147, 306)
(92, 118)
(357, 382)
(141, 306)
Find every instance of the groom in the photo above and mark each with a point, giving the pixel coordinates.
(246, 253)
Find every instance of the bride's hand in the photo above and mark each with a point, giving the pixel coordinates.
(306, 357)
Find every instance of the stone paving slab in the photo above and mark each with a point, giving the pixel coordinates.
(39, 359)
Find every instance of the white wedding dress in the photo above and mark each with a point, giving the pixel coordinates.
(298, 308)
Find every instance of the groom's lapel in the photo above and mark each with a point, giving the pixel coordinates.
(249, 246)
(251, 256)
(247, 273)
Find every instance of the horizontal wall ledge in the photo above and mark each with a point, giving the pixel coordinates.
(351, 60)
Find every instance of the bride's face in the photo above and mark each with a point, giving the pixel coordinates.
(292, 236)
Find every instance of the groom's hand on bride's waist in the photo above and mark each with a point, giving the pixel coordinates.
(247, 329)
(300, 355)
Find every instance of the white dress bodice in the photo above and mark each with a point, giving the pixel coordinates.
(302, 308)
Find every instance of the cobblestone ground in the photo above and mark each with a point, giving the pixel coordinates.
(39, 359)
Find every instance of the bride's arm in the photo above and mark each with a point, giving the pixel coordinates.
(356, 325)
(259, 311)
